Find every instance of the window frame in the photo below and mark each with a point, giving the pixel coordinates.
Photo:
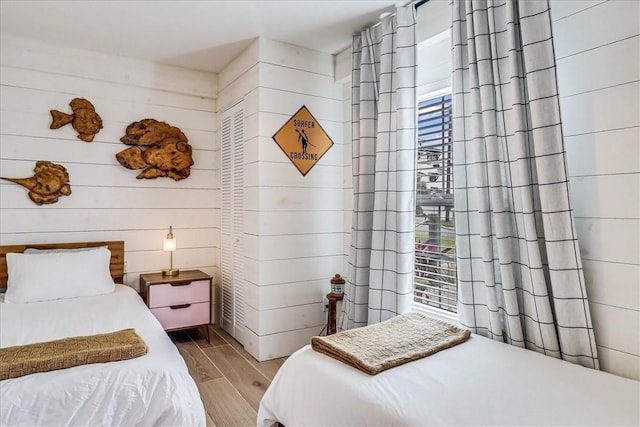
(451, 317)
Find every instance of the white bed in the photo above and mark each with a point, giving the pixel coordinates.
(479, 382)
(154, 389)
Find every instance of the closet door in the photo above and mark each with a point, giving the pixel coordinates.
(232, 221)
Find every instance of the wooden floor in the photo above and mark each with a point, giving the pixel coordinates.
(230, 380)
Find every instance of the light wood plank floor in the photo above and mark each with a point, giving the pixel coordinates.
(230, 380)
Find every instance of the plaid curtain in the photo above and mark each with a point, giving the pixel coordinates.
(380, 280)
(520, 275)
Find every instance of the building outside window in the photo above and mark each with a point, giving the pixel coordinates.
(435, 248)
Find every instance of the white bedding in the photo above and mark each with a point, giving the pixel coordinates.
(480, 382)
(154, 389)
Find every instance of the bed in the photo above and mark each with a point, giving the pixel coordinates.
(154, 389)
(478, 382)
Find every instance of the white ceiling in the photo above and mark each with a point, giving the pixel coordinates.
(203, 35)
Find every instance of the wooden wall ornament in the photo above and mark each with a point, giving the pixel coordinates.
(84, 119)
(49, 182)
(166, 152)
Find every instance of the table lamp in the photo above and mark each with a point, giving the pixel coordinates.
(170, 246)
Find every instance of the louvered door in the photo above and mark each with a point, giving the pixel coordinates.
(232, 221)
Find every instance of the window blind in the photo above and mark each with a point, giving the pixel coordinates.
(435, 273)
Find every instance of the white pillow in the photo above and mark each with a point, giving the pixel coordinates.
(39, 251)
(44, 276)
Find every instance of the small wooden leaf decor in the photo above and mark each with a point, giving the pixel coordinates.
(49, 182)
(84, 119)
(166, 150)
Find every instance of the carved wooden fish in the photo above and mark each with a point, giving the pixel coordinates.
(49, 182)
(166, 153)
(84, 119)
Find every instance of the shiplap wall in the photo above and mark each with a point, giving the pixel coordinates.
(108, 202)
(597, 47)
(294, 230)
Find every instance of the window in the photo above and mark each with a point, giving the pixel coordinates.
(435, 249)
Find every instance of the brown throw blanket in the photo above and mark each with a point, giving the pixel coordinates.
(68, 352)
(381, 346)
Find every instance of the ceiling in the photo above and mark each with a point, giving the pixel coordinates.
(204, 35)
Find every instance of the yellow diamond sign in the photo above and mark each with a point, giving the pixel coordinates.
(303, 140)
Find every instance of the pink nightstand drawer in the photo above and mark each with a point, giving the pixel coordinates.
(167, 294)
(181, 316)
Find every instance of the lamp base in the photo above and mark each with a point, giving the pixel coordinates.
(171, 272)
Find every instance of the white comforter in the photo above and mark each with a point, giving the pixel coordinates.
(154, 389)
(479, 382)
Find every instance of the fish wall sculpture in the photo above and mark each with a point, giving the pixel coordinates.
(84, 119)
(158, 148)
(49, 182)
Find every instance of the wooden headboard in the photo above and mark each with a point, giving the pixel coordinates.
(116, 266)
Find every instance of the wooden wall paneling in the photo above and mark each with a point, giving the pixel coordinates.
(299, 81)
(299, 269)
(61, 220)
(95, 197)
(236, 68)
(299, 246)
(601, 153)
(606, 323)
(269, 297)
(294, 57)
(284, 319)
(72, 86)
(606, 239)
(562, 9)
(285, 175)
(598, 79)
(612, 108)
(299, 198)
(600, 68)
(238, 88)
(612, 283)
(594, 26)
(285, 343)
(33, 55)
(272, 100)
(617, 196)
(274, 223)
(618, 362)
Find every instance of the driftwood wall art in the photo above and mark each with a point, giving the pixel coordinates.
(84, 119)
(158, 148)
(49, 182)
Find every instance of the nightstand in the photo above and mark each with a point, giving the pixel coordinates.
(182, 301)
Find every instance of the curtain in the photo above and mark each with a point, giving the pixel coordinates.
(520, 275)
(380, 280)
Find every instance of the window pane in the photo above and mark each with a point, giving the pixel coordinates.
(435, 249)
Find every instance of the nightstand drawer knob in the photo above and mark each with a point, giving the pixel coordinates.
(178, 307)
(183, 283)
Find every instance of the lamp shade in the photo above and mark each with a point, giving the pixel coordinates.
(169, 244)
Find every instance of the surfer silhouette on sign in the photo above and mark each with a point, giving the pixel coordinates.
(304, 139)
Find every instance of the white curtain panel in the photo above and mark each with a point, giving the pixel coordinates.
(520, 275)
(380, 280)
